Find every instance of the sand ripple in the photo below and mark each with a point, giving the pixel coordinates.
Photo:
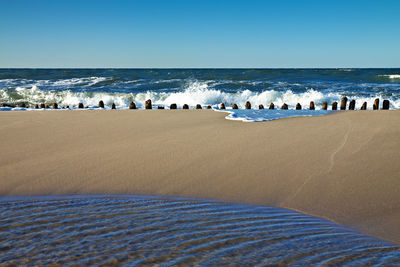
(150, 231)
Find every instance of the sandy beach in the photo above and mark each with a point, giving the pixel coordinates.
(343, 167)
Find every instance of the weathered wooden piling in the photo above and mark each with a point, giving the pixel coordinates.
(36, 106)
(209, 107)
(284, 106)
(160, 107)
(312, 105)
(352, 105)
(334, 105)
(298, 106)
(173, 106)
(234, 106)
(271, 106)
(185, 106)
(132, 105)
(261, 106)
(22, 105)
(198, 106)
(47, 106)
(80, 105)
(343, 103)
(385, 104)
(222, 106)
(375, 106)
(364, 106)
(101, 104)
(248, 105)
(113, 106)
(148, 104)
(42, 105)
(55, 106)
(67, 107)
(325, 105)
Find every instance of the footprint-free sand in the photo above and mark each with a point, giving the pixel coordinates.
(344, 166)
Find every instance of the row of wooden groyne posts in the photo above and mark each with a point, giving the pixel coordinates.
(148, 105)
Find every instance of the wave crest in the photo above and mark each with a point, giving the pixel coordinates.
(391, 76)
(194, 93)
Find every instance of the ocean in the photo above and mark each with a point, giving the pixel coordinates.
(69, 87)
(155, 231)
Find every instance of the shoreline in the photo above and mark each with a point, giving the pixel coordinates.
(340, 167)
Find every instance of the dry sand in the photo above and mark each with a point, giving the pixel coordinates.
(344, 167)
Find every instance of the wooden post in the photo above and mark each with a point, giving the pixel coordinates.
(148, 104)
(325, 105)
(334, 105)
(271, 106)
(298, 106)
(284, 106)
(343, 103)
(113, 106)
(222, 106)
(260, 107)
(385, 104)
(352, 105)
(173, 106)
(375, 106)
(80, 105)
(209, 107)
(248, 105)
(101, 104)
(234, 106)
(364, 106)
(312, 106)
(132, 105)
(185, 106)
(198, 106)
(55, 106)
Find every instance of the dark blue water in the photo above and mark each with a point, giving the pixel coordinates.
(198, 86)
(149, 231)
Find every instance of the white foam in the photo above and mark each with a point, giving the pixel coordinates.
(87, 81)
(194, 93)
(392, 76)
(251, 115)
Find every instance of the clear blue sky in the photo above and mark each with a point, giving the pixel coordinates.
(191, 33)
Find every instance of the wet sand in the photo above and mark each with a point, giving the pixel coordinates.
(344, 167)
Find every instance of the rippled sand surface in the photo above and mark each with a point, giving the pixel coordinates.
(149, 231)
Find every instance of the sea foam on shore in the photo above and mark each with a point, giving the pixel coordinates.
(251, 115)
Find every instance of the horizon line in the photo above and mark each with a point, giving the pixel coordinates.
(141, 68)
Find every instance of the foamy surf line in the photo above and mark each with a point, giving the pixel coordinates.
(195, 93)
(251, 115)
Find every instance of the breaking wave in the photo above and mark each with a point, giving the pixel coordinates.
(194, 93)
(391, 76)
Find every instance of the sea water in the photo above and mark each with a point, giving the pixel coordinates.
(152, 231)
(69, 87)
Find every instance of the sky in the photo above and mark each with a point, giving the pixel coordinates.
(199, 34)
